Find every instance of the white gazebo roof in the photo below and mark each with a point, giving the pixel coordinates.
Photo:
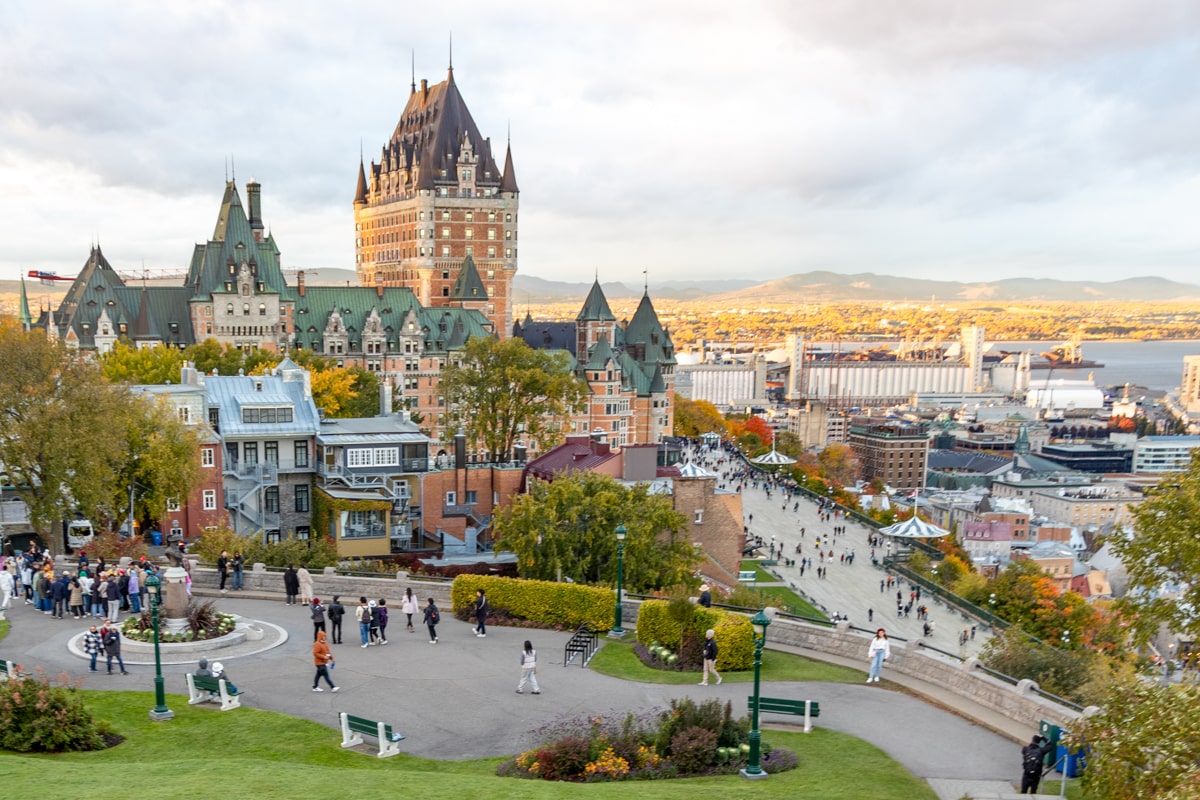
(694, 470)
(773, 458)
(914, 528)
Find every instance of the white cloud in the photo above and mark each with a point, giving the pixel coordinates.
(697, 139)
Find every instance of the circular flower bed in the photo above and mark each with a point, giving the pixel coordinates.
(204, 622)
(686, 740)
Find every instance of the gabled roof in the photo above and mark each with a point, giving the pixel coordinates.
(595, 307)
(601, 355)
(468, 285)
(547, 335)
(233, 243)
(646, 336)
(577, 455)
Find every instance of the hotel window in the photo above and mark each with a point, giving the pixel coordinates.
(302, 499)
(271, 453)
(445, 233)
(446, 250)
(445, 215)
(271, 500)
(470, 214)
(206, 457)
(210, 499)
(470, 233)
(491, 233)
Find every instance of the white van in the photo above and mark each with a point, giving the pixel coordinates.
(79, 533)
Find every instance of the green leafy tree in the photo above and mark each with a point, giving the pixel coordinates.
(160, 460)
(61, 427)
(565, 529)
(126, 363)
(1143, 744)
(1162, 557)
(503, 390)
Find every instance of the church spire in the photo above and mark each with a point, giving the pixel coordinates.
(26, 319)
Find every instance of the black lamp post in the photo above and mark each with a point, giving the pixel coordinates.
(753, 769)
(160, 712)
(617, 631)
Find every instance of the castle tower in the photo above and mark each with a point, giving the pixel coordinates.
(436, 197)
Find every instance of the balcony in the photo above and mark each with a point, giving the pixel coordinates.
(369, 530)
(265, 474)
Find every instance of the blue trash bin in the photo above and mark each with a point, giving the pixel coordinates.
(156, 537)
(1070, 764)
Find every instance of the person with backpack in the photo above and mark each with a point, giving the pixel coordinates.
(318, 617)
(111, 637)
(363, 615)
(432, 618)
(1033, 756)
(481, 612)
(335, 612)
(381, 613)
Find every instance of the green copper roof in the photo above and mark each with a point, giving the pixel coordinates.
(646, 338)
(468, 285)
(595, 307)
(219, 261)
(601, 354)
(25, 319)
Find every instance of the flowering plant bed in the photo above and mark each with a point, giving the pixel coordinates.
(684, 741)
(204, 622)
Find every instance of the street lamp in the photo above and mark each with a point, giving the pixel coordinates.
(753, 770)
(160, 712)
(617, 631)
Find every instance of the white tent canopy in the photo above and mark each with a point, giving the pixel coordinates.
(773, 458)
(914, 528)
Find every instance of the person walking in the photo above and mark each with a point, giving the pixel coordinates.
(528, 669)
(223, 569)
(239, 564)
(362, 615)
(1033, 756)
(113, 595)
(111, 637)
(710, 657)
(335, 612)
(879, 651)
(409, 607)
(373, 622)
(291, 584)
(93, 646)
(318, 617)
(306, 584)
(323, 660)
(381, 612)
(481, 612)
(432, 618)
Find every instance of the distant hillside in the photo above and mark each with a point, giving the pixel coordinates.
(832, 287)
(530, 288)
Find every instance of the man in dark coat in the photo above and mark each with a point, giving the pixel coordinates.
(1032, 763)
(291, 584)
(335, 612)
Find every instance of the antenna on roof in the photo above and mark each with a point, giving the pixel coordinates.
(414, 70)
(645, 282)
(451, 78)
(227, 169)
(232, 168)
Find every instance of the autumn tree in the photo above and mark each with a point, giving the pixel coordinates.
(839, 464)
(502, 390)
(127, 363)
(565, 529)
(1162, 557)
(696, 417)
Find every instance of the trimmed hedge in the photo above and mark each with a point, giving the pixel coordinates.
(733, 632)
(567, 604)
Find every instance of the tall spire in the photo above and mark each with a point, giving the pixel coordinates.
(25, 319)
(450, 75)
(360, 193)
(414, 71)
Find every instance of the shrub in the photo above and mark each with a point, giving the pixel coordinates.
(734, 635)
(711, 715)
(694, 749)
(566, 759)
(112, 547)
(564, 604)
(204, 622)
(779, 760)
(37, 716)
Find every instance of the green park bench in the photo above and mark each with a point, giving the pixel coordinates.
(354, 728)
(769, 562)
(205, 688)
(809, 709)
(10, 669)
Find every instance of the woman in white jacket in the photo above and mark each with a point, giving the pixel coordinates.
(877, 653)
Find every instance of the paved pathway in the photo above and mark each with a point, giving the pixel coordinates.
(848, 590)
(456, 699)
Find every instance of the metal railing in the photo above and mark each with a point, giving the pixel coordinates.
(955, 656)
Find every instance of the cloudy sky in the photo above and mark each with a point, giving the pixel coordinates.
(760, 138)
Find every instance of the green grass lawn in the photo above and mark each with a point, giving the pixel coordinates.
(780, 596)
(760, 574)
(267, 756)
(617, 660)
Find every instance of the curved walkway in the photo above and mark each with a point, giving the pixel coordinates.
(456, 699)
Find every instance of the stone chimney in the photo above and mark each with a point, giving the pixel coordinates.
(300, 283)
(379, 283)
(254, 209)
